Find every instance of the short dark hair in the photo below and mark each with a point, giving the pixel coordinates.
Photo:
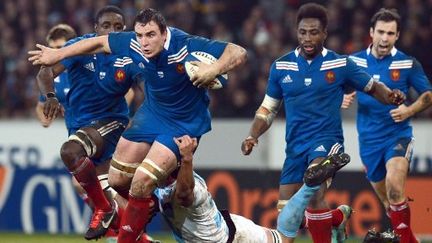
(147, 15)
(386, 15)
(314, 11)
(61, 31)
(109, 9)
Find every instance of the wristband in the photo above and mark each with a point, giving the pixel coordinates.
(50, 95)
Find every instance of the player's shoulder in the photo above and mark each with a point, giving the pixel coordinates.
(400, 60)
(288, 61)
(177, 38)
(79, 38)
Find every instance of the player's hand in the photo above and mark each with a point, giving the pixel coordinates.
(204, 75)
(396, 97)
(401, 113)
(348, 99)
(44, 56)
(51, 108)
(248, 144)
(187, 146)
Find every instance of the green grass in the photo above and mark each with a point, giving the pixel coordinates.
(46, 238)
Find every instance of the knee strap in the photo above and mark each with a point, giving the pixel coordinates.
(157, 174)
(126, 168)
(84, 140)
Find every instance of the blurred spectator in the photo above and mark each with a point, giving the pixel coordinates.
(265, 27)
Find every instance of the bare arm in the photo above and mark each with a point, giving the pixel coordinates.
(232, 57)
(403, 112)
(49, 56)
(385, 95)
(185, 180)
(45, 80)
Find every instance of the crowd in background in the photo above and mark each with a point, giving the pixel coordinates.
(266, 28)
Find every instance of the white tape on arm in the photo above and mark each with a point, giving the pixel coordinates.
(272, 106)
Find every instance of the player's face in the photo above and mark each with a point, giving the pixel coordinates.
(57, 44)
(384, 37)
(311, 37)
(150, 38)
(109, 22)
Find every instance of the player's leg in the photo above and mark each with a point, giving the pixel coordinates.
(320, 219)
(86, 143)
(398, 157)
(153, 171)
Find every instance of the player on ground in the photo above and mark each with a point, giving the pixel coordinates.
(194, 217)
(385, 133)
(174, 105)
(97, 114)
(310, 81)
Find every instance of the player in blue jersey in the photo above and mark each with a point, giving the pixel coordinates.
(310, 81)
(97, 116)
(56, 38)
(174, 105)
(385, 133)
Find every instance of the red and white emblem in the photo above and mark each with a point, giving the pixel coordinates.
(395, 74)
(330, 77)
(120, 75)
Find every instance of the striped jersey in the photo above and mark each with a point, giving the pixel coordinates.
(398, 71)
(98, 84)
(312, 92)
(170, 96)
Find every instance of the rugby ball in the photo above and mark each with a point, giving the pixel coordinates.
(219, 82)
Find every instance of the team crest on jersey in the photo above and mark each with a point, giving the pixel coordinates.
(308, 81)
(180, 68)
(395, 74)
(120, 75)
(330, 77)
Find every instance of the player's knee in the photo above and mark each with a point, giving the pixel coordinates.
(71, 152)
(141, 187)
(90, 140)
(395, 195)
(121, 174)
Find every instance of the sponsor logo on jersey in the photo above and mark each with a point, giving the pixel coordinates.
(308, 81)
(90, 66)
(395, 74)
(180, 68)
(330, 77)
(321, 148)
(120, 75)
(6, 179)
(160, 74)
(102, 75)
(287, 79)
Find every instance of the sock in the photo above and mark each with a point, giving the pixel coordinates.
(85, 174)
(400, 217)
(291, 216)
(320, 224)
(134, 219)
(337, 217)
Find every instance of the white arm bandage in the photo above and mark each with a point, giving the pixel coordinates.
(270, 104)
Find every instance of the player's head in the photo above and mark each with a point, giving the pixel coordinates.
(150, 28)
(109, 19)
(311, 29)
(384, 31)
(59, 34)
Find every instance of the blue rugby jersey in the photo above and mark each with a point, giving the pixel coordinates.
(98, 84)
(170, 96)
(61, 88)
(312, 95)
(398, 71)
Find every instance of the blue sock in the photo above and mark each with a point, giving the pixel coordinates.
(292, 213)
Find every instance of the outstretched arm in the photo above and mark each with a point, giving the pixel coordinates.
(232, 57)
(49, 56)
(385, 95)
(185, 180)
(403, 112)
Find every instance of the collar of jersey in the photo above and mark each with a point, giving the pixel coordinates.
(392, 52)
